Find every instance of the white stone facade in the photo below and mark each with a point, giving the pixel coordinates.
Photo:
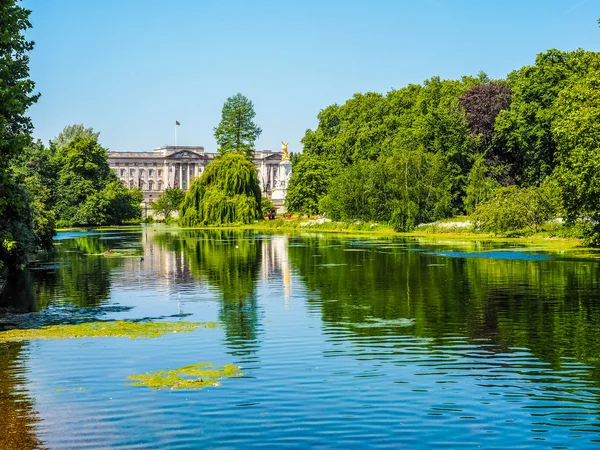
(178, 166)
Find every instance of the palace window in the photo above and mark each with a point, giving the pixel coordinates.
(150, 185)
(122, 172)
(160, 172)
(131, 172)
(160, 186)
(150, 172)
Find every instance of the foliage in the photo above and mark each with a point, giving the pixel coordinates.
(266, 205)
(522, 136)
(577, 133)
(87, 191)
(113, 205)
(69, 132)
(482, 104)
(227, 192)
(480, 184)
(194, 376)
(514, 208)
(237, 131)
(309, 183)
(16, 218)
(169, 200)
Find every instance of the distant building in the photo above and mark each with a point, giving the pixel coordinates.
(178, 166)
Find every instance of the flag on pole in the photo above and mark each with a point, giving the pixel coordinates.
(177, 122)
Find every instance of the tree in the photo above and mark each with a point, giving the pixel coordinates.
(170, 200)
(87, 191)
(482, 103)
(113, 205)
(227, 192)
(522, 136)
(309, 183)
(237, 131)
(71, 131)
(577, 133)
(16, 227)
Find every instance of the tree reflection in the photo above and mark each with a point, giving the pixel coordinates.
(18, 417)
(229, 261)
(549, 307)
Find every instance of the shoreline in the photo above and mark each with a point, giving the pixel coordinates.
(286, 225)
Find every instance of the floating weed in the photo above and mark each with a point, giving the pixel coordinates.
(195, 376)
(121, 328)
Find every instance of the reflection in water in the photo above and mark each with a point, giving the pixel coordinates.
(17, 412)
(394, 340)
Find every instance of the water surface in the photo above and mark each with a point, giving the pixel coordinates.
(343, 342)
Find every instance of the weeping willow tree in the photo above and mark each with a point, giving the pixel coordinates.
(226, 193)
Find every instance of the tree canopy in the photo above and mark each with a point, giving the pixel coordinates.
(169, 201)
(237, 130)
(227, 192)
(16, 96)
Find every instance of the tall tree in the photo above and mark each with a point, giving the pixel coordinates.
(16, 95)
(237, 131)
(71, 131)
(577, 133)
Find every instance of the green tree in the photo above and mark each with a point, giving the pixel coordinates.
(113, 205)
(522, 139)
(170, 200)
(70, 131)
(577, 133)
(16, 219)
(513, 208)
(227, 192)
(87, 191)
(309, 183)
(237, 131)
(35, 172)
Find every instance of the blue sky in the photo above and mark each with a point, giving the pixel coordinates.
(130, 68)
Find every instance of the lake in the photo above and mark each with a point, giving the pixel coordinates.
(343, 342)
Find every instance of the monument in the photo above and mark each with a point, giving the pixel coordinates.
(285, 172)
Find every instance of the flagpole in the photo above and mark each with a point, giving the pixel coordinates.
(175, 134)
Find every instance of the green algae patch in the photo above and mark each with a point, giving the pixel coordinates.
(119, 329)
(194, 376)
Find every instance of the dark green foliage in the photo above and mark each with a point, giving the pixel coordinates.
(404, 189)
(577, 133)
(227, 193)
(522, 138)
(309, 183)
(237, 131)
(87, 191)
(113, 205)
(170, 200)
(17, 238)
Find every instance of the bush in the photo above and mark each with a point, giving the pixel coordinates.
(513, 208)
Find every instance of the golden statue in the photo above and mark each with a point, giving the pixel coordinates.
(284, 149)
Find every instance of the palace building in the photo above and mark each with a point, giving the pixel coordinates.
(178, 166)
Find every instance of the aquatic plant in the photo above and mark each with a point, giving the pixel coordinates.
(194, 376)
(121, 328)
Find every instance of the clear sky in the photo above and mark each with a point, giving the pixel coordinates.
(130, 68)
